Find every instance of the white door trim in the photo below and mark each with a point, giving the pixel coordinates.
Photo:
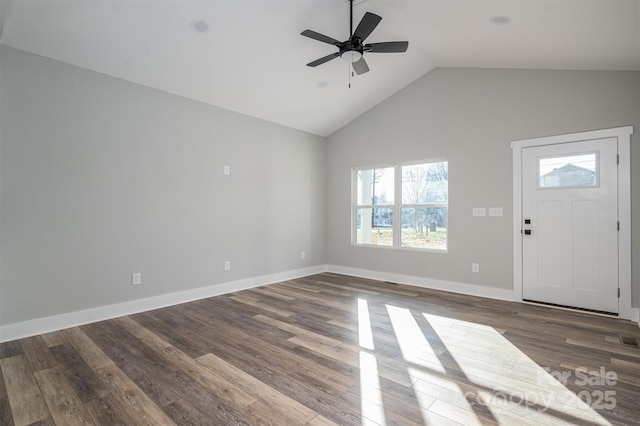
(623, 138)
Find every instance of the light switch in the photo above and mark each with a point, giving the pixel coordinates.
(479, 211)
(495, 211)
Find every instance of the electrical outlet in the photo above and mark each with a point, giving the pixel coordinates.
(475, 267)
(227, 265)
(136, 278)
(226, 170)
(303, 254)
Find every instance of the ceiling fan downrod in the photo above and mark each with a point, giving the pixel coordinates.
(351, 18)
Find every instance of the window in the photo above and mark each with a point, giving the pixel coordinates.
(571, 171)
(403, 205)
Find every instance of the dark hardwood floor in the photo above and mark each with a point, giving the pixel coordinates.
(328, 349)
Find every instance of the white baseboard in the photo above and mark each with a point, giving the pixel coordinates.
(72, 319)
(454, 287)
(59, 322)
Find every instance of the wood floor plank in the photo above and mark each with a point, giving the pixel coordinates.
(278, 401)
(65, 406)
(455, 413)
(631, 366)
(88, 350)
(388, 406)
(147, 337)
(9, 349)
(258, 304)
(299, 331)
(209, 379)
(605, 347)
(26, 401)
(152, 375)
(260, 413)
(269, 292)
(229, 320)
(35, 350)
(388, 368)
(320, 421)
(54, 338)
(261, 351)
(162, 379)
(6, 418)
(141, 408)
(322, 284)
(80, 376)
(109, 411)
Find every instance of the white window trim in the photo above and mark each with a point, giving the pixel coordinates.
(622, 136)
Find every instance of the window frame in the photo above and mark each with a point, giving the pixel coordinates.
(396, 207)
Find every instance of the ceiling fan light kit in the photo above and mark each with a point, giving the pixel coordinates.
(353, 49)
(351, 56)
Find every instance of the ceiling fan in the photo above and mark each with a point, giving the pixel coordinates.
(353, 49)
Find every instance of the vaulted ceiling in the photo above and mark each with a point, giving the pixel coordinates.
(248, 55)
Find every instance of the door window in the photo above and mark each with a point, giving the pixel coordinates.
(568, 171)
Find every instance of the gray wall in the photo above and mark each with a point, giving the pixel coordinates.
(470, 116)
(102, 178)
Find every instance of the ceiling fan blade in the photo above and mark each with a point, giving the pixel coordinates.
(323, 60)
(320, 37)
(387, 47)
(366, 26)
(360, 66)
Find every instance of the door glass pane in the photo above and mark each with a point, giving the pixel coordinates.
(577, 170)
(375, 187)
(374, 226)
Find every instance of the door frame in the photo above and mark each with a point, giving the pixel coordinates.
(622, 137)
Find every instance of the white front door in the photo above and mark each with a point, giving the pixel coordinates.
(570, 224)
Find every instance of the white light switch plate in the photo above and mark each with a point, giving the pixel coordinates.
(495, 211)
(479, 211)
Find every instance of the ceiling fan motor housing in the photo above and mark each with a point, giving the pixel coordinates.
(351, 50)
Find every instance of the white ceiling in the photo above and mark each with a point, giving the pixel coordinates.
(252, 60)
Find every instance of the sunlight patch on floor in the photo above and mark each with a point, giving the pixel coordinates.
(432, 397)
(509, 383)
(371, 404)
(365, 334)
(417, 350)
(467, 373)
(413, 344)
(370, 394)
